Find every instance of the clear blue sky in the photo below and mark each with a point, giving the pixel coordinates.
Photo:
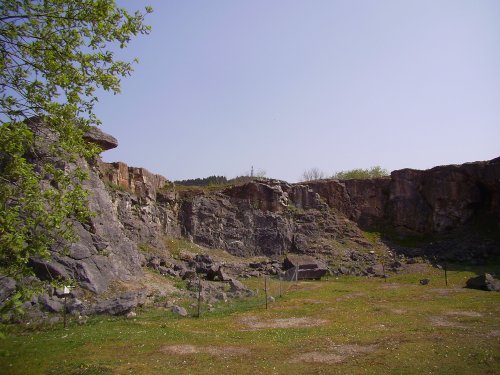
(287, 85)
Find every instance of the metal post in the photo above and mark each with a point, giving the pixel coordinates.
(280, 283)
(64, 312)
(383, 270)
(265, 287)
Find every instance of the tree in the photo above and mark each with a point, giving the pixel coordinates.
(54, 56)
(359, 173)
(313, 174)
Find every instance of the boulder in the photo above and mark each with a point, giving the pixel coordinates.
(424, 281)
(7, 287)
(483, 282)
(51, 304)
(178, 310)
(308, 267)
(236, 286)
(119, 305)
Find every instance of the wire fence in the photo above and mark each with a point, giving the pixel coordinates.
(262, 292)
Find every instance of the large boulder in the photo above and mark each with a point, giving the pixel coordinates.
(120, 304)
(483, 282)
(304, 267)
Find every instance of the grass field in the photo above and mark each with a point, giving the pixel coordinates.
(350, 325)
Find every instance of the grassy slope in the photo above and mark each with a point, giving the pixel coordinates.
(367, 327)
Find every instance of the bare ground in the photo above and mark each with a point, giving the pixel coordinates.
(253, 323)
(337, 354)
(222, 351)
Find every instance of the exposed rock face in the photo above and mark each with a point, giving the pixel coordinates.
(145, 203)
(135, 209)
(418, 202)
(260, 219)
(103, 253)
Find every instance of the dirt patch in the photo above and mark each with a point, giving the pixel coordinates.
(349, 296)
(399, 311)
(494, 333)
(390, 286)
(446, 291)
(354, 349)
(337, 354)
(314, 301)
(222, 351)
(470, 314)
(304, 322)
(443, 321)
(318, 357)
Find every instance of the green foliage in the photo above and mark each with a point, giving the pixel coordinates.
(359, 173)
(207, 181)
(54, 56)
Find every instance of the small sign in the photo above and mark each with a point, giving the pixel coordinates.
(66, 290)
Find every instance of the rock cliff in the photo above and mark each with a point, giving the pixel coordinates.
(136, 211)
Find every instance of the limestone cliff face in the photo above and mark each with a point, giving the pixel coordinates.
(419, 202)
(137, 209)
(266, 217)
(145, 203)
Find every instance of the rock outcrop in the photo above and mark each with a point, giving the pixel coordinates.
(419, 202)
(135, 210)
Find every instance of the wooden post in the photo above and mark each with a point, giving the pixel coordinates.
(199, 296)
(383, 270)
(265, 288)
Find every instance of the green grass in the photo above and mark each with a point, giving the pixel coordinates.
(366, 326)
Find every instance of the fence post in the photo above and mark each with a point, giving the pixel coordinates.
(265, 287)
(445, 274)
(280, 282)
(199, 296)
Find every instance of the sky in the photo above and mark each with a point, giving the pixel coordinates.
(288, 85)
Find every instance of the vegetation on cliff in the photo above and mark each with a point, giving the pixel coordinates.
(55, 56)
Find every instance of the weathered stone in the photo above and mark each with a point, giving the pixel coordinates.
(376, 270)
(178, 310)
(131, 315)
(222, 276)
(51, 304)
(483, 282)
(103, 140)
(7, 288)
(236, 285)
(189, 274)
(308, 267)
(119, 305)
